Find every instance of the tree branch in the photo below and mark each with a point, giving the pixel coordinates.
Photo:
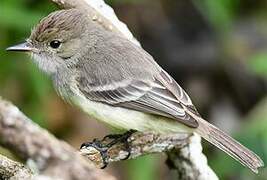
(140, 144)
(50, 156)
(184, 153)
(10, 169)
(189, 162)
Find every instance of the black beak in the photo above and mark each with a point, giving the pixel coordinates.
(23, 47)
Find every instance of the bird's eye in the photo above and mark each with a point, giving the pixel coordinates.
(55, 44)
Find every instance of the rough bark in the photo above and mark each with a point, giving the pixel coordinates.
(46, 154)
(184, 152)
(10, 169)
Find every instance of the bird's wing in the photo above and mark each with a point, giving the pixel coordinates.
(160, 95)
(121, 74)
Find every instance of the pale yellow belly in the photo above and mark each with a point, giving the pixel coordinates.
(123, 118)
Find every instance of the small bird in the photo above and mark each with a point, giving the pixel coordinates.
(117, 82)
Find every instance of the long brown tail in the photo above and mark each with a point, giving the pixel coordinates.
(227, 144)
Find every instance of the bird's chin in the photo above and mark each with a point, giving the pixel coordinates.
(45, 63)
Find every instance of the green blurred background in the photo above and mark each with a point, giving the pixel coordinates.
(217, 50)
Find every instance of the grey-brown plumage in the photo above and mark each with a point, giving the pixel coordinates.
(112, 75)
(118, 82)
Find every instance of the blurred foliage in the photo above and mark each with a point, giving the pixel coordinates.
(220, 13)
(32, 91)
(258, 64)
(143, 168)
(16, 20)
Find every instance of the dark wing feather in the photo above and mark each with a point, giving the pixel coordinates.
(160, 96)
(177, 91)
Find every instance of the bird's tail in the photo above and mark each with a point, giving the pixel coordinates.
(227, 144)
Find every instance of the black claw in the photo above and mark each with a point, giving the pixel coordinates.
(127, 148)
(105, 164)
(103, 148)
(123, 138)
(84, 145)
(111, 136)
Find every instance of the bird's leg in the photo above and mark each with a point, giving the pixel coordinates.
(121, 138)
(111, 136)
(103, 147)
(126, 135)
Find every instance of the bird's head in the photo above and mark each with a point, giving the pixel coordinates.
(55, 40)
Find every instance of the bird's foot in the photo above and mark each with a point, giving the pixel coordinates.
(121, 138)
(102, 146)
